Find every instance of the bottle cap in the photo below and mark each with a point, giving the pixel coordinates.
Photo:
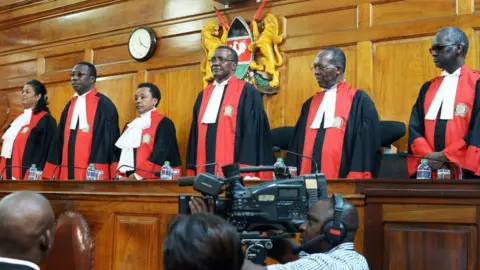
(34, 166)
(166, 162)
(280, 159)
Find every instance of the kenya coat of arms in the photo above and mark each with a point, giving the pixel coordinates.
(256, 45)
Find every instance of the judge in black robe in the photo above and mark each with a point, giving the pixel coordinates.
(234, 131)
(451, 131)
(149, 140)
(344, 142)
(92, 138)
(28, 139)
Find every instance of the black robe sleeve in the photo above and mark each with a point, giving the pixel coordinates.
(166, 145)
(106, 134)
(39, 142)
(255, 145)
(54, 158)
(365, 140)
(298, 139)
(417, 144)
(472, 159)
(193, 138)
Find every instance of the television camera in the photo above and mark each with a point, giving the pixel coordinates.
(279, 205)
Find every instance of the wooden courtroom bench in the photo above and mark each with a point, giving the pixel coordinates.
(405, 224)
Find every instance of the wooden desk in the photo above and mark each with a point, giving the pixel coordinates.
(408, 224)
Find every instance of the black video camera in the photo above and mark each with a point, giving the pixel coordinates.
(272, 205)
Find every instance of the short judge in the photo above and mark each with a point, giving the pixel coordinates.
(87, 131)
(149, 140)
(28, 138)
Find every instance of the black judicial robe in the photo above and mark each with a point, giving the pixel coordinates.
(158, 144)
(349, 149)
(458, 138)
(241, 133)
(31, 146)
(95, 144)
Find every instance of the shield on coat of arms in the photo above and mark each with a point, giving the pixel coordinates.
(239, 37)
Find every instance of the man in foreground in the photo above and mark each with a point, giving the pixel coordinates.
(27, 228)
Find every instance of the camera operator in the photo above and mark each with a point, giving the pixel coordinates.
(327, 239)
(202, 241)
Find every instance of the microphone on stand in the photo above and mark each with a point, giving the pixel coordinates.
(117, 176)
(460, 170)
(215, 169)
(277, 149)
(61, 166)
(9, 166)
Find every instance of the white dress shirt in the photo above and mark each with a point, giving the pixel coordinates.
(445, 97)
(213, 106)
(326, 110)
(12, 132)
(342, 257)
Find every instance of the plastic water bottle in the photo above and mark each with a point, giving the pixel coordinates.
(280, 167)
(167, 171)
(91, 172)
(423, 170)
(32, 173)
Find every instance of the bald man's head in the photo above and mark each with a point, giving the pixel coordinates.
(26, 226)
(319, 214)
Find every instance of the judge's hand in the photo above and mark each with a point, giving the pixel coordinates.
(200, 205)
(440, 159)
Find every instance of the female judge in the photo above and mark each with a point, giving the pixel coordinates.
(27, 139)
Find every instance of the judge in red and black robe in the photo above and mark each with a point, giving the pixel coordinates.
(338, 127)
(87, 131)
(229, 122)
(444, 124)
(149, 140)
(28, 138)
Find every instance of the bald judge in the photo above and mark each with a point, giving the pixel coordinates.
(445, 124)
(27, 228)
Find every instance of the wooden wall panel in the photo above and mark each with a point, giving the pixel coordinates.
(133, 234)
(113, 54)
(477, 5)
(179, 88)
(409, 10)
(63, 62)
(121, 90)
(401, 68)
(17, 70)
(454, 246)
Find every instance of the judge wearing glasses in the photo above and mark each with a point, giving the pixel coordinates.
(444, 125)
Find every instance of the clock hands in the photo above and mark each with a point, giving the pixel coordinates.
(139, 40)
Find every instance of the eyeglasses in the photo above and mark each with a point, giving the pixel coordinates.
(220, 60)
(321, 69)
(439, 48)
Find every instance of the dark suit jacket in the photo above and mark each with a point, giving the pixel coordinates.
(9, 266)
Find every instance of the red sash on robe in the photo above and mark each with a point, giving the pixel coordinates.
(226, 127)
(455, 146)
(19, 148)
(332, 148)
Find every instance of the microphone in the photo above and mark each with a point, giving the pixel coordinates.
(186, 181)
(61, 166)
(253, 169)
(308, 244)
(460, 170)
(9, 166)
(117, 176)
(277, 149)
(205, 165)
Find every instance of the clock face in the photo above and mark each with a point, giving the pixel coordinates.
(142, 44)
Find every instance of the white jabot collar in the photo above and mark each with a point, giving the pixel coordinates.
(80, 112)
(12, 132)
(445, 97)
(132, 138)
(326, 110)
(19, 262)
(213, 106)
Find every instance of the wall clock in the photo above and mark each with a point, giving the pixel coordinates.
(142, 43)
